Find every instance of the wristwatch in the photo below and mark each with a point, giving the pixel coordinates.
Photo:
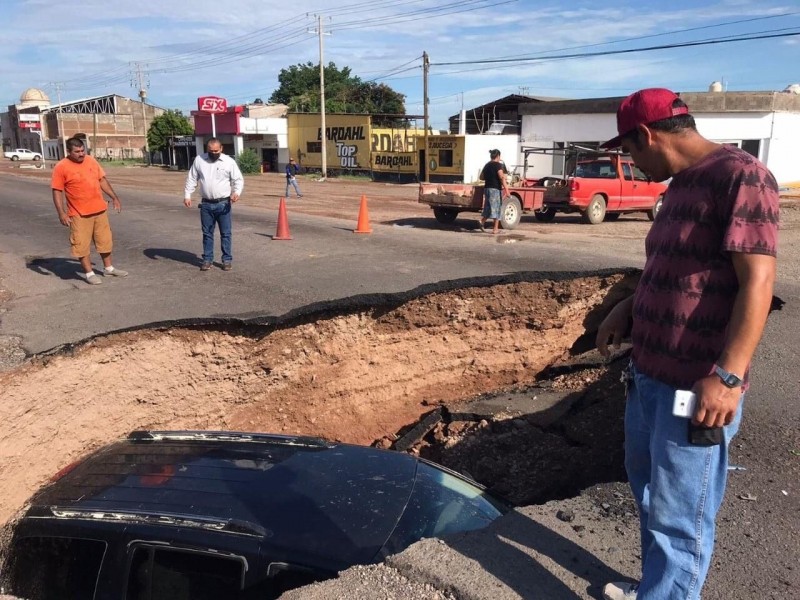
(731, 380)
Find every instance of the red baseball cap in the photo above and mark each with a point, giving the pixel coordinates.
(643, 107)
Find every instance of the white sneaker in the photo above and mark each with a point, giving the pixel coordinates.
(115, 273)
(91, 278)
(620, 591)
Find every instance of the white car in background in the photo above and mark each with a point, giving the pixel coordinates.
(22, 154)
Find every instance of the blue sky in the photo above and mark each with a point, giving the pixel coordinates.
(235, 49)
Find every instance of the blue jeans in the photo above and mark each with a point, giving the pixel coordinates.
(294, 185)
(212, 214)
(678, 487)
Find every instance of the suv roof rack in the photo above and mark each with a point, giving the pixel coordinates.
(228, 436)
(238, 526)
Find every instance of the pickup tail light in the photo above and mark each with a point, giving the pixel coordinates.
(574, 185)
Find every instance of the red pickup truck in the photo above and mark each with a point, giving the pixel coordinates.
(601, 189)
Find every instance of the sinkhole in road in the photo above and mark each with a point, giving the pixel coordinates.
(488, 377)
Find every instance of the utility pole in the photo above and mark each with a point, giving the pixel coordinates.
(425, 67)
(40, 132)
(140, 78)
(61, 133)
(324, 135)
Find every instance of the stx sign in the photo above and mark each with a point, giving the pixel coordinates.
(212, 104)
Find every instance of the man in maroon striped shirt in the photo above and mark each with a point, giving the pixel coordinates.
(697, 316)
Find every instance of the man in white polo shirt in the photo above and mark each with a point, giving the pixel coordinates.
(221, 183)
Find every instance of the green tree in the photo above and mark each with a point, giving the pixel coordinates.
(248, 161)
(165, 125)
(344, 93)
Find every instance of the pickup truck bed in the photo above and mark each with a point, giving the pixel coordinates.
(449, 199)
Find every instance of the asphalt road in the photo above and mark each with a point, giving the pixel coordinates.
(158, 241)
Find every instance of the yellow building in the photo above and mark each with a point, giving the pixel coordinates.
(353, 144)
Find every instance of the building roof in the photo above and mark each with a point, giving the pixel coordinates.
(105, 99)
(263, 110)
(698, 102)
(510, 101)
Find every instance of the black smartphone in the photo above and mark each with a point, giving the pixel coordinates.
(699, 435)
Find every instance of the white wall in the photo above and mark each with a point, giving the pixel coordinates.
(783, 150)
(780, 141)
(476, 153)
(543, 131)
(272, 125)
(734, 127)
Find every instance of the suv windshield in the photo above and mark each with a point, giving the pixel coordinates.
(441, 503)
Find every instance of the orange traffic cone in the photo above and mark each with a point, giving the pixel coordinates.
(363, 217)
(283, 223)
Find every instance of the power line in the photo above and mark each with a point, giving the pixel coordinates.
(724, 40)
(665, 33)
(443, 10)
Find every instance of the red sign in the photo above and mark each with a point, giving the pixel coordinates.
(212, 104)
(30, 125)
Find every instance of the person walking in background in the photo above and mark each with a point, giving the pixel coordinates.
(292, 169)
(81, 181)
(221, 184)
(494, 190)
(697, 316)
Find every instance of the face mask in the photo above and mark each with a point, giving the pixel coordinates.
(212, 156)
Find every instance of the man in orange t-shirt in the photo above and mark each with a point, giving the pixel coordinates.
(82, 181)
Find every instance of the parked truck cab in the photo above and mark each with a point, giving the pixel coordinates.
(604, 188)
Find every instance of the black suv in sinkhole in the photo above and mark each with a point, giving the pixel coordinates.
(198, 515)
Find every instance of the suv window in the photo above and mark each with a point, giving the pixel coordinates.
(176, 574)
(53, 568)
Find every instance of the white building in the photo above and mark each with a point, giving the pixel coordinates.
(257, 126)
(765, 124)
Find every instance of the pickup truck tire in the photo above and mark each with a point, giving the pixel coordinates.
(510, 213)
(546, 215)
(651, 214)
(15, 157)
(445, 215)
(596, 211)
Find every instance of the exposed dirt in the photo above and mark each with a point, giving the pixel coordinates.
(354, 377)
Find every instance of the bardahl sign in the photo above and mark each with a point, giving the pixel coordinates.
(212, 104)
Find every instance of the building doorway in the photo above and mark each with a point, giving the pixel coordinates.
(269, 160)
